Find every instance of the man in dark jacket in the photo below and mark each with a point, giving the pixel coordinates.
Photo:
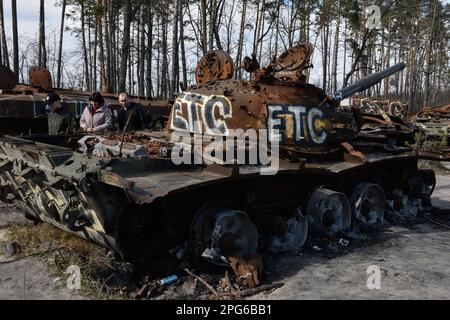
(58, 117)
(133, 111)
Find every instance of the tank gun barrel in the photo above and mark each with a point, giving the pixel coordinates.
(367, 82)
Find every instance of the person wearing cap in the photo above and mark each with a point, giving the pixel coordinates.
(58, 117)
(96, 117)
(132, 111)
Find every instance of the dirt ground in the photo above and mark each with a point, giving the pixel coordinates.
(414, 261)
(27, 279)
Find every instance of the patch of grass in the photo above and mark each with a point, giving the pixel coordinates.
(61, 249)
(425, 143)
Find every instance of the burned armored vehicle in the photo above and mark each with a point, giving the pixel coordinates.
(368, 105)
(433, 125)
(318, 167)
(23, 108)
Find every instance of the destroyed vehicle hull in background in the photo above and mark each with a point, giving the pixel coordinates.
(23, 108)
(338, 171)
(434, 126)
(383, 107)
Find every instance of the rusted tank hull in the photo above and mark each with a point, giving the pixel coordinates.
(23, 109)
(111, 202)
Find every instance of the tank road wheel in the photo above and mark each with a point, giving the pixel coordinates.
(429, 180)
(400, 208)
(368, 202)
(295, 237)
(422, 185)
(329, 211)
(218, 232)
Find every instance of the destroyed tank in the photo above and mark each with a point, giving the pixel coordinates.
(23, 108)
(331, 170)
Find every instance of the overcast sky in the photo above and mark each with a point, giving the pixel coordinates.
(28, 17)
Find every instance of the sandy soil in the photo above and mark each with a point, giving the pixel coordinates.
(414, 261)
(27, 279)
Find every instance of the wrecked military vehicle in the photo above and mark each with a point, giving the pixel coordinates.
(368, 105)
(337, 170)
(23, 107)
(434, 125)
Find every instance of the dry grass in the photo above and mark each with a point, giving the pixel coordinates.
(60, 249)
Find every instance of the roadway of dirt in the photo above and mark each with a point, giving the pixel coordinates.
(413, 259)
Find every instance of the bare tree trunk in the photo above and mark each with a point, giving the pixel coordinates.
(345, 52)
(91, 58)
(426, 100)
(101, 58)
(212, 13)
(61, 34)
(241, 41)
(109, 43)
(165, 69)
(141, 52)
(149, 50)
(387, 61)
(336, 46)
(125, 45)
(183, 50)
(2, 35)
(94, 56)
(85, 53)
(15, 38)
(175, 63)
(412, 62)
(42, 47)
(204, 29)
(230, 26)
(217, 22)
(258, 25)
(158, 59)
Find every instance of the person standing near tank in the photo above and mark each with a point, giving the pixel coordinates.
(133, 111)
(96, 117)
(59, 120)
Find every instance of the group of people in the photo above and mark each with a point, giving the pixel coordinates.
(97, 116)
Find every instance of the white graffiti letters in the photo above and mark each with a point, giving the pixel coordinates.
(296, 123)
(196, 113)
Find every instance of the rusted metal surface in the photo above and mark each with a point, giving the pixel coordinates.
(8, 79)
(337, 170)
(216, 65)
(23, 109)
(248, 270)
(381, 107)
(40, 77)
(441, 111)
(289, 66)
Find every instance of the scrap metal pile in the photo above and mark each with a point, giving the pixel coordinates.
(338, 171)
(434, 121)
(381, 107)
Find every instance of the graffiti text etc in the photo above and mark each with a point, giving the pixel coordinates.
(297, 123)
(196, 113)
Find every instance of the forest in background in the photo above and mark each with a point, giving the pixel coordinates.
(150, 47)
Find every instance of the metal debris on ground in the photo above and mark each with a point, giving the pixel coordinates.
(248, 270)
